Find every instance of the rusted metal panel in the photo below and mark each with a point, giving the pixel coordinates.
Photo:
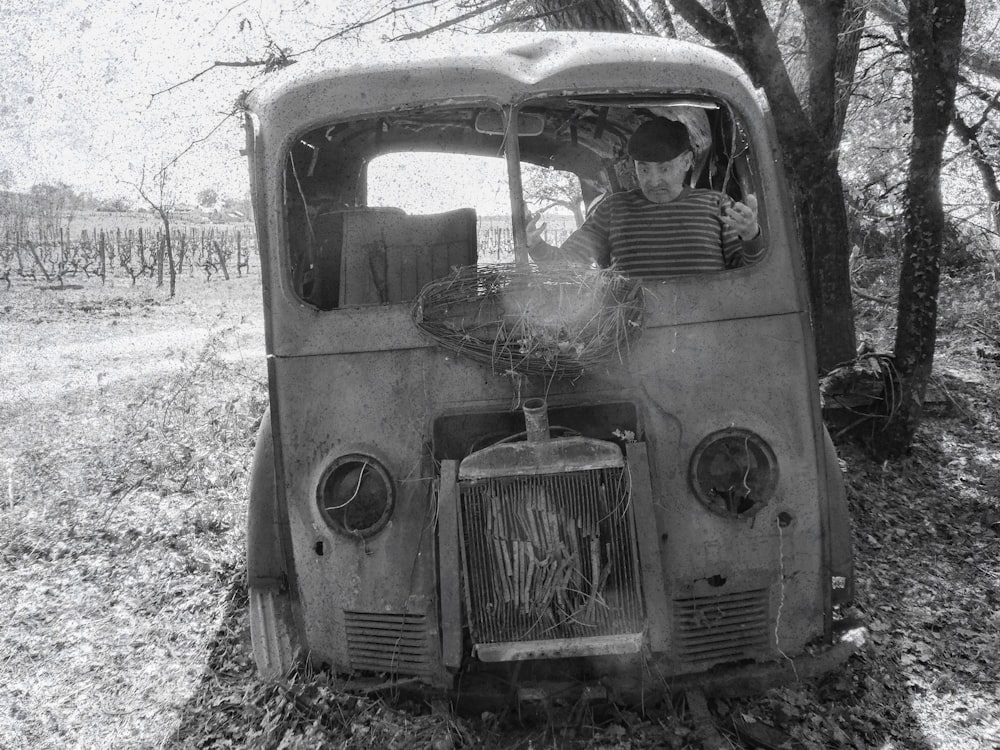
(560, 648)
(450, 591)
(767, 291)
(650, 556)
(546, 457)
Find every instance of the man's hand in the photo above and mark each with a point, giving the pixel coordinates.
(742, 216)
(534, 231)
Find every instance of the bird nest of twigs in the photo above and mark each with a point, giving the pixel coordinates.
(523, 321)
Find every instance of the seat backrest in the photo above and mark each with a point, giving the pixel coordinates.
(321, 266)
(389, 257)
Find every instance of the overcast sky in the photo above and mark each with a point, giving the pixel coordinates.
(79, 83)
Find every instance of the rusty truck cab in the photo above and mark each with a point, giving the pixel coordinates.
(423, 507)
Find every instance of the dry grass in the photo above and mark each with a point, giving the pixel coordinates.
(126, 426)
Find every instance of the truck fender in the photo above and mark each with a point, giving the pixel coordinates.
(272, 615)
(839, 529)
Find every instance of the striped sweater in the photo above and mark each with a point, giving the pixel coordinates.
(656, 240)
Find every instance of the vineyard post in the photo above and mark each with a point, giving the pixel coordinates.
(239, 255)
(222, 259)
(17, 249)
(100, 253)
(180, 251)
(126, 258)
(38, 261)
(142, 254)
(85, 243)
(160, 247)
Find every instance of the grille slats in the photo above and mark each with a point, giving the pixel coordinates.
(388, 642)
(724, 627)
(550, 556)
(722, 635)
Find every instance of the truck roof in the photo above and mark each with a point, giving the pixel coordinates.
(347, 79)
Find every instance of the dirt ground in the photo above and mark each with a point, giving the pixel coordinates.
(126, 431)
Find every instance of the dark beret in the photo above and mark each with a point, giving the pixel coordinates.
(659, 139)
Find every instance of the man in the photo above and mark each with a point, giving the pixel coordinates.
(663, 228)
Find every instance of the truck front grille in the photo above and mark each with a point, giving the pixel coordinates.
(550, 557)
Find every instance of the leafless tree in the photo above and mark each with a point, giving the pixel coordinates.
(162, 205)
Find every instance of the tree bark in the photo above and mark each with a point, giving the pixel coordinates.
(851, 29)
(810, 137)
(819, 197)
(935, 37)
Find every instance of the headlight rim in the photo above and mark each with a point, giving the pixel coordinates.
(713, 504)
(337, 522)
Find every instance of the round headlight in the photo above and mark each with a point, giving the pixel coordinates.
(734, 472)
(355, 495)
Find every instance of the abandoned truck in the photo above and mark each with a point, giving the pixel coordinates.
(479, 470)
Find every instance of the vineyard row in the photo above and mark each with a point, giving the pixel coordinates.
(145, 253)
(127, 253)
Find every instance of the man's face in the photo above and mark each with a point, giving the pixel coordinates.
(662, 181)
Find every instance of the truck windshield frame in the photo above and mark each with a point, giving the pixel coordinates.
(325, 188)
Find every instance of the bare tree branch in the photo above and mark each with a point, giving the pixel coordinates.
(358, 25)
(277, 59)
(991, 100)
(195, 142)
(451, 22)
(589, 15)
(160, 180)
(226, 14)
(969, 136)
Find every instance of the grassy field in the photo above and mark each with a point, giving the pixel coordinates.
(126, 430)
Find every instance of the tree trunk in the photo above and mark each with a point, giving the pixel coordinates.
(819, 198)
(851, 29)
(809, 135)
(935, 31)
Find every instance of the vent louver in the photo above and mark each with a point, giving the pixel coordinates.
(388, 642)
(725, 627)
